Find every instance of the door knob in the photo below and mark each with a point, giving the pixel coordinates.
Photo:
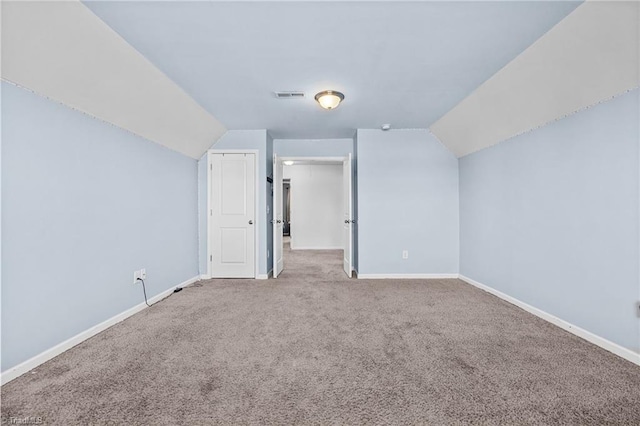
(347, 221)
(250, 222)
(278, 221)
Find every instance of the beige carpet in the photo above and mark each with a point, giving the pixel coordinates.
(316, 348)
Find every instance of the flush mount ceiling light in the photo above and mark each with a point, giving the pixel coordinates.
(288, 163)
(329, 99)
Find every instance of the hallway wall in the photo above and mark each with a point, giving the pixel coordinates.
(316, 206)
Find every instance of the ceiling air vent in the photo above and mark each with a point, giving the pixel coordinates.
(289, 95)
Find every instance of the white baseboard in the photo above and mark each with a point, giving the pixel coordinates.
(406, 276)
(45, 356)
(580, 332)
(317, 248)
(265, 276)
(205, 277)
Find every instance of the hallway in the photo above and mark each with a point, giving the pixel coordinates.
(311, 265)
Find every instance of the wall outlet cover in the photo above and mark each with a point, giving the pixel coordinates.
(142, 274)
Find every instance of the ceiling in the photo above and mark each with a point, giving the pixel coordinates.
(180, 73)
(404, 63)
(588, 58)
(60, 50)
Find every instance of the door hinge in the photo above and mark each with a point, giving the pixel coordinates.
(211, 258)
(211, 212)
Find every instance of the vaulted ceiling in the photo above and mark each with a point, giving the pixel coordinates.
(181, 73)
(589, 57)
(61, 50)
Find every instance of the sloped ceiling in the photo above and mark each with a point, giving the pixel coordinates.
(168, 71)
(398, 62)
(589, 57)
(61, 50)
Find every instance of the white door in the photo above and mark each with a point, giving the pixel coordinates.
(233, 216)
(348, 221)
(278, 262)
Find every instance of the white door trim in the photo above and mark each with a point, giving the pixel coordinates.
(313, 159)
(347, 196)
(257, 219)
(321, 160)
(278, 217)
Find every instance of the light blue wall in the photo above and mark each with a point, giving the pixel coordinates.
(84, 205)
(313, 147)
(551, 218)
(407, 200)
(253, 139)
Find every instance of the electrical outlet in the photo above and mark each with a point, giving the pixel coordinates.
(142, 274)
(405, 254)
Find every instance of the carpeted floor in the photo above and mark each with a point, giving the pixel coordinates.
(314, 347)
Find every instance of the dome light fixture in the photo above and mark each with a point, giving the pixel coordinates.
(329, 99)
(288, 163)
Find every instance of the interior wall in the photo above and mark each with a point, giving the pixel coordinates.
(317, 213)
(552, 218)
(313, 147)
(84, 205)
(407, 192)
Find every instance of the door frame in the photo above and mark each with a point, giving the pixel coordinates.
(209, 213)
(349, 209)
(287, 182)
(321, 160)
(313, 159)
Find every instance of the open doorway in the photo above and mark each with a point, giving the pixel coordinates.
(286, 206)
(312, 206)
(315, 205)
